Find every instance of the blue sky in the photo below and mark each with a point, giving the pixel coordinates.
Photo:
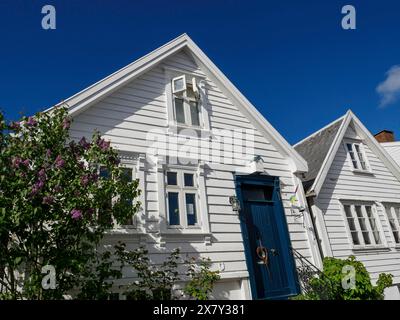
(291, 59)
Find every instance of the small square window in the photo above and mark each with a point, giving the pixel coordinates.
(179, 84)
(172, 178)
(188, 177)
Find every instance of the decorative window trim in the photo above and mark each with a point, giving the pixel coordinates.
(354, 156)
(135, 162)
(395, 216)
(356, 220)
(202, 229)
(172, 73)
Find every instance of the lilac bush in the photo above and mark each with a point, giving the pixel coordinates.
(54, 207)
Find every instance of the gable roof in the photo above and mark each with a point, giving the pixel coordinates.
(320, 148)
(87, 97)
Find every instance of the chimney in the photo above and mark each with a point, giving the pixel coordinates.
(384, 136)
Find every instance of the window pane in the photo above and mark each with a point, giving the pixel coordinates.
(104, 173)
(352, 156)
(188, 177)
(354, 236)
(392, 222)
(396, 236)
(360, 157)
(373, 225)
(173, 208)
(351, 224)
(257, 193)
(179, 84)
(127, 175)
(348, 211)
(363, 225)
(179, 112)
(194, 113)
(172, 179)
(191, 208)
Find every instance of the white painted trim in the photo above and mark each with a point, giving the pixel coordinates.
(319, 180)
(322, 230)
(311, 235)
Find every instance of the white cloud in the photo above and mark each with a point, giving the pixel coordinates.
(389, 90)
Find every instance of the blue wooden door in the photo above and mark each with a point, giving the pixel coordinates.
(266, 238)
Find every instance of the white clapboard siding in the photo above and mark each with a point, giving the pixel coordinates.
(343, 184)
(393, 148)
(128, 114)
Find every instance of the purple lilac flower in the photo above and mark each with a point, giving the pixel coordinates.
(85, 180)
(90, 211)
(25, 163)
(59, 162)
(42, 174)
(66, 124)
(104, 145)
(48, 153)
(16, 162)
(31, 122)
(14, 125)
(76, 214)
(84, 144)
(94, 177)
(48, 200)
(37, 187)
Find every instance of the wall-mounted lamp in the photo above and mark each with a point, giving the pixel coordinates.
(233, 200)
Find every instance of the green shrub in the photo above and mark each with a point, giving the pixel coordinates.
(334, 283)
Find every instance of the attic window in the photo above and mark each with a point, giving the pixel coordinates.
(186, 101)
(179, 84)
(357, 156)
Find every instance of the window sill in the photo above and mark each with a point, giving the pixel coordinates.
(176, 129)
(371, 249)
(186, 234)
(366, 172)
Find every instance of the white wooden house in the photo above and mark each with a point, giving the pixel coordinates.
(393, 148)
(212, 144)
(353, 190)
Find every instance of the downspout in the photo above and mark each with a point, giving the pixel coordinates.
(310, 203)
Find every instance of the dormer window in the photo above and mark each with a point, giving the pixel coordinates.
(357, 156)
(186, 101)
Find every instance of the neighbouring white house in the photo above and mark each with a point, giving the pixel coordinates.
(387, 140)
(219, 181)
(353, 190)
(393, 148)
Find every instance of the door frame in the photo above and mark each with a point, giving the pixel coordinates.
(282, 227)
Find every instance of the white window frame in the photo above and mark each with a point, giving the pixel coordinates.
(395, 217)
(183, 77)
(375, 215)
(182, 190)
(202, 228)
(360, 145)
(172, 74)
(133, 167)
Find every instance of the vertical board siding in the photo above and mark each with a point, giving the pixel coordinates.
(125, 117)
(342, 183)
